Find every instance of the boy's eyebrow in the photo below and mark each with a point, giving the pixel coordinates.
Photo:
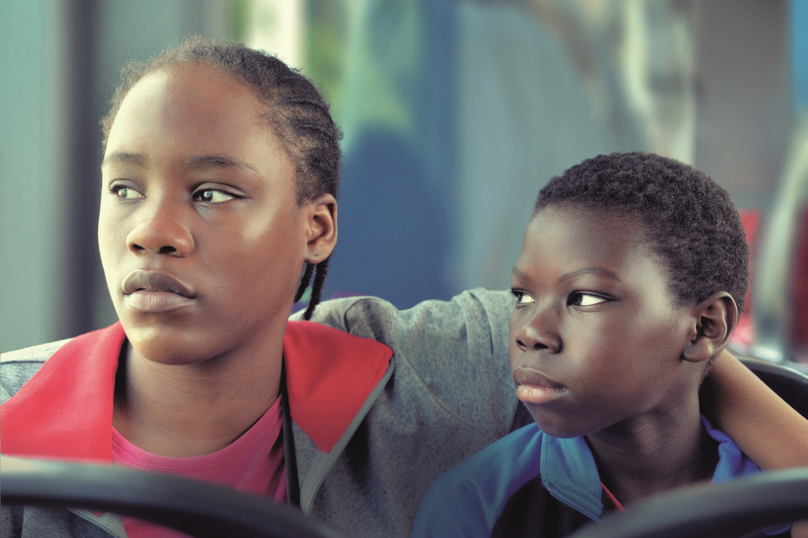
(518, 274)
(599, 271)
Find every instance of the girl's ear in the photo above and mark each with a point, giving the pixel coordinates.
(321, 228)
(714, 320)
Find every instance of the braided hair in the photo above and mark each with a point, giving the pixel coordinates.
(295, 110)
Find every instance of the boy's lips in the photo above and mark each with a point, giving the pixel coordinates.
(535, 388)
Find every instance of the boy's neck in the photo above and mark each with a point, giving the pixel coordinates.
(193, 410)
(653, 454)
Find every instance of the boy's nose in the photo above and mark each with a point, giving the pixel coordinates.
(161, 233)
(539, 333)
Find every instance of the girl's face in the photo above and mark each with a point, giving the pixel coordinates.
(201, 238)
(596, 337)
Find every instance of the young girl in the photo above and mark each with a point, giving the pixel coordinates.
(219, 178)
(631, 278)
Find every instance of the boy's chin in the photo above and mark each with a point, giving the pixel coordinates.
(556, 427)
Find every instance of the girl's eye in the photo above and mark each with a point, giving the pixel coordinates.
(585, 299)
(126, 193)
(212, 196)
(522, 297)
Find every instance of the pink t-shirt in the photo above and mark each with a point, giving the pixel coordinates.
(254, 463)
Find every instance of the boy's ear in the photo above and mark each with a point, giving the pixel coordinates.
(714, 320)
(321, 228)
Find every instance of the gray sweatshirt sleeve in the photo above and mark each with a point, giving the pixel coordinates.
(17, 367)
(458, 349)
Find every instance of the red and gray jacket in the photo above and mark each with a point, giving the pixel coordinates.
(375, 417)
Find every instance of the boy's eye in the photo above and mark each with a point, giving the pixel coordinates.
(522, 297)
(212, 196)
(585, 299)
(126, 193)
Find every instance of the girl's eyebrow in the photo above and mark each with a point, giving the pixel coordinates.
(195, 162)
(219, 161)
(124, 158)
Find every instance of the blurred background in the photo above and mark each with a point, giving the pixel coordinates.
(455, 114)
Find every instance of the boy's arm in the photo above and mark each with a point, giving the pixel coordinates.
(766, 428)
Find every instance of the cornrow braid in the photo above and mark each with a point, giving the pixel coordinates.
(317, 288)
(304, 281)
(295, 110)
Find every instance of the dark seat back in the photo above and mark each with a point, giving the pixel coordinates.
(791, 385)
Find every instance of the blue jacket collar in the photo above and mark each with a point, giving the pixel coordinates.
(570, 474)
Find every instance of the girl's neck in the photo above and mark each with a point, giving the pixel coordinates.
(197, 409)
(652, 454)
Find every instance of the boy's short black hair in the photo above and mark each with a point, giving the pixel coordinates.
(690, 221)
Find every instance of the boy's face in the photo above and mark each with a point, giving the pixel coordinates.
(596, 336)
(201, 237)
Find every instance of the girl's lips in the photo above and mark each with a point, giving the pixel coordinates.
(157, 301)
(156, 281)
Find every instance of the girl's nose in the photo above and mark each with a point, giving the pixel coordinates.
(161, 233)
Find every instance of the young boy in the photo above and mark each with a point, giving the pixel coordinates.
(630, 281)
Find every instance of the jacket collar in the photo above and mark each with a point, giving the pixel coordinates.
(62, 411)
(569, 472)
(329, 375)
(65, 410)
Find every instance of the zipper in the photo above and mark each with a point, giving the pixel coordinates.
(336, 452)
(104, 521)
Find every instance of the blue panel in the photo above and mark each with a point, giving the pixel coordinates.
(799, 44)
(29, 186)
(395, 204)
